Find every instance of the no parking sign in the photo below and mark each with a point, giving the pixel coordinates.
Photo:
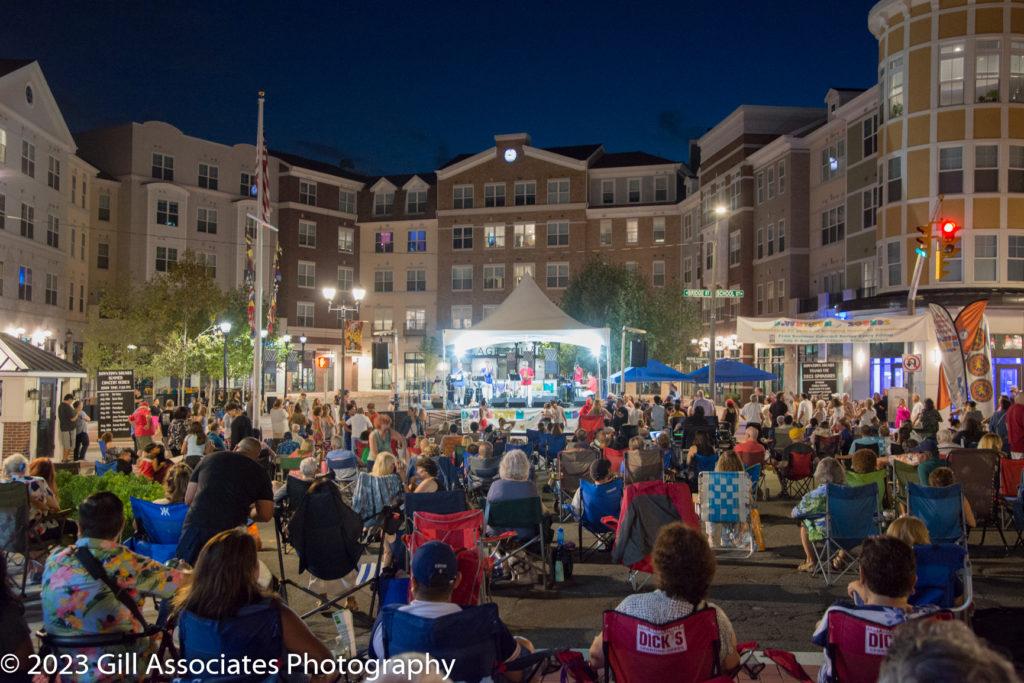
(912, 362)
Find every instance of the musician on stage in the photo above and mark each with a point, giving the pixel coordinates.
(488, 383)
(459, 384)
(577, 381)
(526, 375)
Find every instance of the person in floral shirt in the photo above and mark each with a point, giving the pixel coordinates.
(74, 603)
(828, 471)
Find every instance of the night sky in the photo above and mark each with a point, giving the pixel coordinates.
(395, 86)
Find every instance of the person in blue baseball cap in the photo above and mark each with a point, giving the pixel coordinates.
(435, 573)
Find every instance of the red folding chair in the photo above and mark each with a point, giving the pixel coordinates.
(688, 649)
(591, 424)
(857, 646)
(1009, 476)
(614, 457)
(800, 472)
(463, 532)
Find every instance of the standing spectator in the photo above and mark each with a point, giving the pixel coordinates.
(750, 414)
(278, 420)
(778, 408)
(81, 432)
(75, 603)
(657, 415)
(902, 413)
(66, 418)
(927, 423)
(997, 423)
(142, 426)
(225, 489)
(178, 430)
(241, 425)
(706, 404)
(1015, 427)
(916, 407)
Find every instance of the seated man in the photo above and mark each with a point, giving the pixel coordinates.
(76, 603)
(888, 573)
(306, 472)
(600, 473)
(287, 445)
(751, 451)
(434, 575)
(782, 432)
(867, 437)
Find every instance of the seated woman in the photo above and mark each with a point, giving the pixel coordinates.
(307, 472)
(600, 473)
(222, 611)
(154, 464)
(377, 488)
(684, 566)
(175, 484)
(943, 476)
(828, 471)
(104, 444)
(42, 503)
(992, 442)
(668, 453)
(513, 484)
(425, 480)
(42, 468)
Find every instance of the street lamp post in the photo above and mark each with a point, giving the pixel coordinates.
(225, 327)
(302, 364)
(357, 294)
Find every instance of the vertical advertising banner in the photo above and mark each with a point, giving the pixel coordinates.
(353, 336)
(952, 356)
(972, 326)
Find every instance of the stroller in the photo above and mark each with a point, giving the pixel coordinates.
(646, 507)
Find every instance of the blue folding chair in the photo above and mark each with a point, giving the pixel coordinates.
(532, 441)
(596, 502)
(159, 527)
(851, 515)
(756, 474)
(704, 463)
(941, 509)
(104, 467)
(449, 474)
(469, 638)
(943, 575)
(551, 445)
(344, 465)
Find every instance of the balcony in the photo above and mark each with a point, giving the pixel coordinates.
(414, 331)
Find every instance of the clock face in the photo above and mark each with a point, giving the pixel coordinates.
(510, 155)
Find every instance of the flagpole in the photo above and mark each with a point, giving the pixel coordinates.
(257, 355)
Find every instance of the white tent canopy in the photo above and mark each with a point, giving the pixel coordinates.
(527, 315)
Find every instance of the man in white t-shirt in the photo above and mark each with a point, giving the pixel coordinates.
(359, 424)
(750, 414)
(804, 410)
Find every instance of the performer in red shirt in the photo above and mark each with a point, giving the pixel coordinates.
(526, 375)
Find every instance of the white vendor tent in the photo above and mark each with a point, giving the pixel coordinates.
(527, 315)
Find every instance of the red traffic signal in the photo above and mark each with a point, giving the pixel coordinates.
(323, 362)
(948, 230)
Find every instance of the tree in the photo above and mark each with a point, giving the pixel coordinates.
(606, 295)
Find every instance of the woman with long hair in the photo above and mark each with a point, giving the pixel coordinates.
(175, 484)
(223, 611)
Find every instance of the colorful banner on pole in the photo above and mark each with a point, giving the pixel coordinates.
(953, 371)
(353, 336)
(250, 275)
(972, 328)
(832, 330)
(272, 313)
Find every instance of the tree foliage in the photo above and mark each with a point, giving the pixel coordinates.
(607, 295)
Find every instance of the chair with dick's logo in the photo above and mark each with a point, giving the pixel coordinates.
(857, 646)
(688, 649)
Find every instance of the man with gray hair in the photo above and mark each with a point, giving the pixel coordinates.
(706, 404)
(931, 651)
(225, 490)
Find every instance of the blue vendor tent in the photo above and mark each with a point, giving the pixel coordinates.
(729, 371)
(655, 371)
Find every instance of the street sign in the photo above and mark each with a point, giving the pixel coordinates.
(912, 362)
(697, 293)
(707, 293)
(729, 293)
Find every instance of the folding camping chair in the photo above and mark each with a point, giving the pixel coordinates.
(725, 500)
(941, 509)
(15, 538)
(1011, 473)
(462, 532)
(591, 424)
(286, 465)
(449, 475)
(943, 575)
(902, 475)
(800, 471)
(597, 501)
(158, 528)
(857, 646)
(879, 478)
(480, 474)
(851, 515)
(345, 467)
(533, 438)
(643, 465)
(682, 651)
(758, 487)
(614, 456)
(438, 502)
(977, 470)
(326, 535)
(449, 443)
(828, 446)
(635, 531)
(573, 468)
(550, 445)
(467, 638)
(1016, 507)
(104, 467)
(520, 513)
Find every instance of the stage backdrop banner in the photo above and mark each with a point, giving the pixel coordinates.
(952, 355)
(832, 330)
(524, 418)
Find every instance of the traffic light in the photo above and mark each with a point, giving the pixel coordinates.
(323, 362)
(923, 240)
(949, 247)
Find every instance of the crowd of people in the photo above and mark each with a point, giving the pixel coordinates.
(212, 459)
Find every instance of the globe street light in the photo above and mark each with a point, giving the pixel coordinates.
(357, 294)
(225, 327)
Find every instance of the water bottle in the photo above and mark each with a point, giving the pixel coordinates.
(559, 567)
